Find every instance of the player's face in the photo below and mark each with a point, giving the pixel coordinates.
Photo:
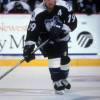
(50, 4)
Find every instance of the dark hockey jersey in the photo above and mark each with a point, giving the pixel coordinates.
(42, 20)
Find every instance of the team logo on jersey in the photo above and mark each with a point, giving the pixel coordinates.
(51, 22)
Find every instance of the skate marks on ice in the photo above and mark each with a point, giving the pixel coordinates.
(83, 88)
(27, 92)
(41, 94)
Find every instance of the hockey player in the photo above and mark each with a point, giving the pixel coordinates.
(52, 21)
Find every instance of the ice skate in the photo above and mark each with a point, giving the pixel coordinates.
(59, 88)
(66, 83)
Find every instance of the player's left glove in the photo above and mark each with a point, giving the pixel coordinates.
(58, 31)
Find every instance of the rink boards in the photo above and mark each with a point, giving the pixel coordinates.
(44, 63)
(84, 48)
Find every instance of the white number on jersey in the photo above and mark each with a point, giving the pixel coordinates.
(71, 18)
(31, 27)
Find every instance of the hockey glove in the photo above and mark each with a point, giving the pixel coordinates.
(59, 31)
(27, 52)
(56, 30)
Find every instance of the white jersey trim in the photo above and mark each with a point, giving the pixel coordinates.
(29, 43)
(39, 9)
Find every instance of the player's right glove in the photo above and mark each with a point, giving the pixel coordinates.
(28, 52)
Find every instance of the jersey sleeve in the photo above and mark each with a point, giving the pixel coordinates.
(32, 30)
(70, 18)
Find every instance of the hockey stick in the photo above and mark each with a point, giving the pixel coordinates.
(7, 72)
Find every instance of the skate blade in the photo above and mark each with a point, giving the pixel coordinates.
(62, 92)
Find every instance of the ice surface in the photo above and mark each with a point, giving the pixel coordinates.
(34, 83)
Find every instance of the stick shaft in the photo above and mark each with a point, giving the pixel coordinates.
(10, 70)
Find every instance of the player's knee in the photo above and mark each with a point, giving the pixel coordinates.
(54, 63)
(65, 60)
(54, 68)
(59, 68)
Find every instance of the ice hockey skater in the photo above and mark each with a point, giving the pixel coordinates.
(52, 20)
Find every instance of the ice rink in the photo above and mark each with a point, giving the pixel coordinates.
(34, 83)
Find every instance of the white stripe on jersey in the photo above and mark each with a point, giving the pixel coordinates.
(40, 8)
